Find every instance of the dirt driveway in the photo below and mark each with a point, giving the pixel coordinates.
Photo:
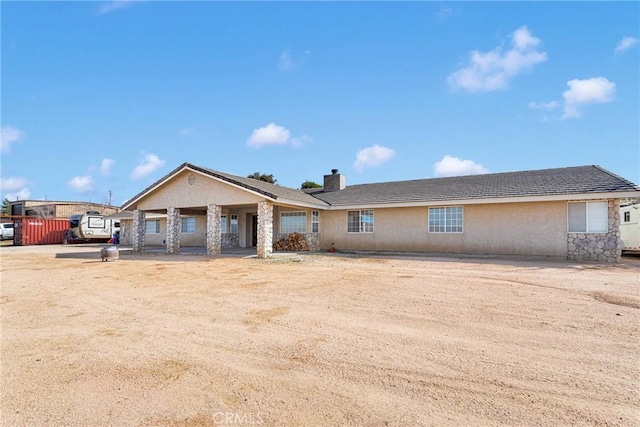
(317, 340)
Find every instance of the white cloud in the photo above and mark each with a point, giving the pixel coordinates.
(9, 135)
(625, 44)
(14, 188)
(488, 71)
(148, 165)
(372, 156)
(81, 184)
(444, 13)
(596, 90)
(186, 131)
(105, 166)
(114, 5)
(551, 105)
(12, 184)
(271, 134)
(287, 62)
(22, 194)
(453, 166)
(299, 142)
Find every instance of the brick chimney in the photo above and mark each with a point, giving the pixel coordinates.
(334, 182)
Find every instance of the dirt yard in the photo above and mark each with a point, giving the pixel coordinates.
(315, 340)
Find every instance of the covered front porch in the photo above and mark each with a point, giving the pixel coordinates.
(197, 207)
(213, 227)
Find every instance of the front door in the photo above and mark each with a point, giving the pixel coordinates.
(254, 230)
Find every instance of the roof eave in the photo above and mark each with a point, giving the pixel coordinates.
(494, 200)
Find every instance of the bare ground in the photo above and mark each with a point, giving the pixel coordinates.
(157, 340)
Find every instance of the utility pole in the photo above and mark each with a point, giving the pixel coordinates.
(110, 194)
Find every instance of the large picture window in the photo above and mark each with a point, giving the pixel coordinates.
(447, 219)
(293, 222)
(360, 221)
(152, 226)
(588, 217)
(189, 225)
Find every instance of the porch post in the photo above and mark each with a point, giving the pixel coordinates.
(265, 229)
(173, 230)
(214, 238)
(139, 229)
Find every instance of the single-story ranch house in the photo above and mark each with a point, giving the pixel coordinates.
(570, 213)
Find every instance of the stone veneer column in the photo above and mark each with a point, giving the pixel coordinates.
(138, 232)
(214, 238)
(265, 229)
(173, 230)
(602, 247)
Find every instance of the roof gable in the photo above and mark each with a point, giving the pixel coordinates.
(263, 189)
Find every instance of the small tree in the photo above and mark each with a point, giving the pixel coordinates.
(263, 177)
(310, 184)
(5, 207)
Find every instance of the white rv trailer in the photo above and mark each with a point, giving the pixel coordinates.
(91, 226)
(630, 227)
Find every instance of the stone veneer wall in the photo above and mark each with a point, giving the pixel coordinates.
(603, 247)
(214, 242)
(125, 232)
(173, 230)
(231, 240)
(312, 239)
(138, 232)
(265, 229)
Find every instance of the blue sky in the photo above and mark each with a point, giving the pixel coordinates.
(110, 96)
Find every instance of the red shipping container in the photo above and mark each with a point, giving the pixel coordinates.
(33, 231)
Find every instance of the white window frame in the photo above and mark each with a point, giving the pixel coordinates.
(234, 228)
(362, 225)
(448, 227)
(315, 221)
(223, 220)
(155, 230)
(184, 225)
(627, 216)
(592, 225)
(293, 214)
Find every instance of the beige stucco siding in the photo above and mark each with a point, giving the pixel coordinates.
(177, 192)
(186, 239)
(156, 239)
(513, 228)
(199, 238)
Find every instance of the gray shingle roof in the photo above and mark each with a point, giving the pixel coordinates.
(546, 182)
(271, 190)
(562, 181)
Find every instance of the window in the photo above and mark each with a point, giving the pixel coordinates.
(588, 217)
(293, 222)
(152, 226)
(234, 224)
(627, 216)
(95, 222)
(223, 224)
(360, 221)
(189, 225)
(447, 219)
(315, 222)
